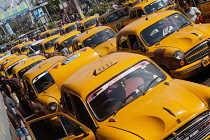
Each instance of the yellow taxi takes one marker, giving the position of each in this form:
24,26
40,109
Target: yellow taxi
123,3
102,39
55,31
144,8
7,67
23,48
202,5
69,28
4,60
113,17
44,80
87,23
44,34
24,66
2,55
67,40
15,50
126,96
47,48
173,41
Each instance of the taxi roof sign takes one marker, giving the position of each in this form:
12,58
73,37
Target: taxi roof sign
104,67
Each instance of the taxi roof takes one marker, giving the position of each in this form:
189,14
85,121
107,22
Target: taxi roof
41,67
23,44
69,24
86,19
88,82
27,62
11,61
7,57
54,30
142,4
89,33
42,33
49,38
146,21
66,36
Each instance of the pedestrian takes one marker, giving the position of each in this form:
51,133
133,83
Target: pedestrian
191,12
65,51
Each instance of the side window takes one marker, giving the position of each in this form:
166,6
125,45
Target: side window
83,115
140,13
103,21
29,89
123,43
67,104
135,43
133,14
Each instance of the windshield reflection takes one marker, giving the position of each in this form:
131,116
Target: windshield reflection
116,15
157,5
126,87
71,28
49,44
164,28
43,81
99,38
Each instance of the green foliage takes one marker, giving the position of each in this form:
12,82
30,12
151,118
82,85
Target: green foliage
56,17
100,9
51,25
52,6
3,41
13,37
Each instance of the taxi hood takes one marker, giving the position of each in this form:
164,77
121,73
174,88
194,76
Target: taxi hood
52,94
158,112
187,37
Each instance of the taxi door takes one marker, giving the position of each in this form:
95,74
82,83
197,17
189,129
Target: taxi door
66,128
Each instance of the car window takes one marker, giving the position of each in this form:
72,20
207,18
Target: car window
124,88
71,28
163,28
114,16
89,23
133,14
24,70
50,43
43,81
123,43
157,5
98,38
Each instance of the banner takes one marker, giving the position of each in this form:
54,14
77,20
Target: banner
38,13
13,12
9,29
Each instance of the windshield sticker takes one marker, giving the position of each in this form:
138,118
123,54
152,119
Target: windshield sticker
83,50
114,80
68,60
40,76
103,68
55,67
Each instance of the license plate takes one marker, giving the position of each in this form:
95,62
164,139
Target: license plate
206,62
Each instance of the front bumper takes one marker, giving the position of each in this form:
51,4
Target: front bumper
191,69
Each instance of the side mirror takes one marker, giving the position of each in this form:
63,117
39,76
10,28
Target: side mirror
79,130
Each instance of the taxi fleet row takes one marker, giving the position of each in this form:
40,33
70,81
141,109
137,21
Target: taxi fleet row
117,96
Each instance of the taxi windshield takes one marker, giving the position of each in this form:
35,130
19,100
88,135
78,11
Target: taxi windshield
14,50
34,48
24,48
55,32
43,81
89,23
124,88
70,28
164,28
9,68
99,38
24,70
157,5
116,15
68,41
49,44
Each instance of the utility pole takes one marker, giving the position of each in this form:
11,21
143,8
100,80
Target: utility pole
78,9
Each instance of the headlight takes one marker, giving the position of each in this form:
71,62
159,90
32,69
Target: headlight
178,55
52,106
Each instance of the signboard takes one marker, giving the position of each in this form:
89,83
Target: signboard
13,12
9,29
38,13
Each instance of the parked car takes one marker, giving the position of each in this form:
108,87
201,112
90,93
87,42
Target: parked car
172,40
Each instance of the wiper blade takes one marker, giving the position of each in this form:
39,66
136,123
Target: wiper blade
150,85
182,26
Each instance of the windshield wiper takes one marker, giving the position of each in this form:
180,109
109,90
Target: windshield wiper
135,92
182,26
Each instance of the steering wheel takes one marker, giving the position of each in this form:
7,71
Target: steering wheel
112,100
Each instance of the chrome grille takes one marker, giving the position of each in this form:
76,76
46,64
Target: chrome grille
198,52
197,129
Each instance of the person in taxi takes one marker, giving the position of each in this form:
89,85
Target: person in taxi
65,51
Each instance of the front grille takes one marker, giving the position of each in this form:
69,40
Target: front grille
198,52
197,129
